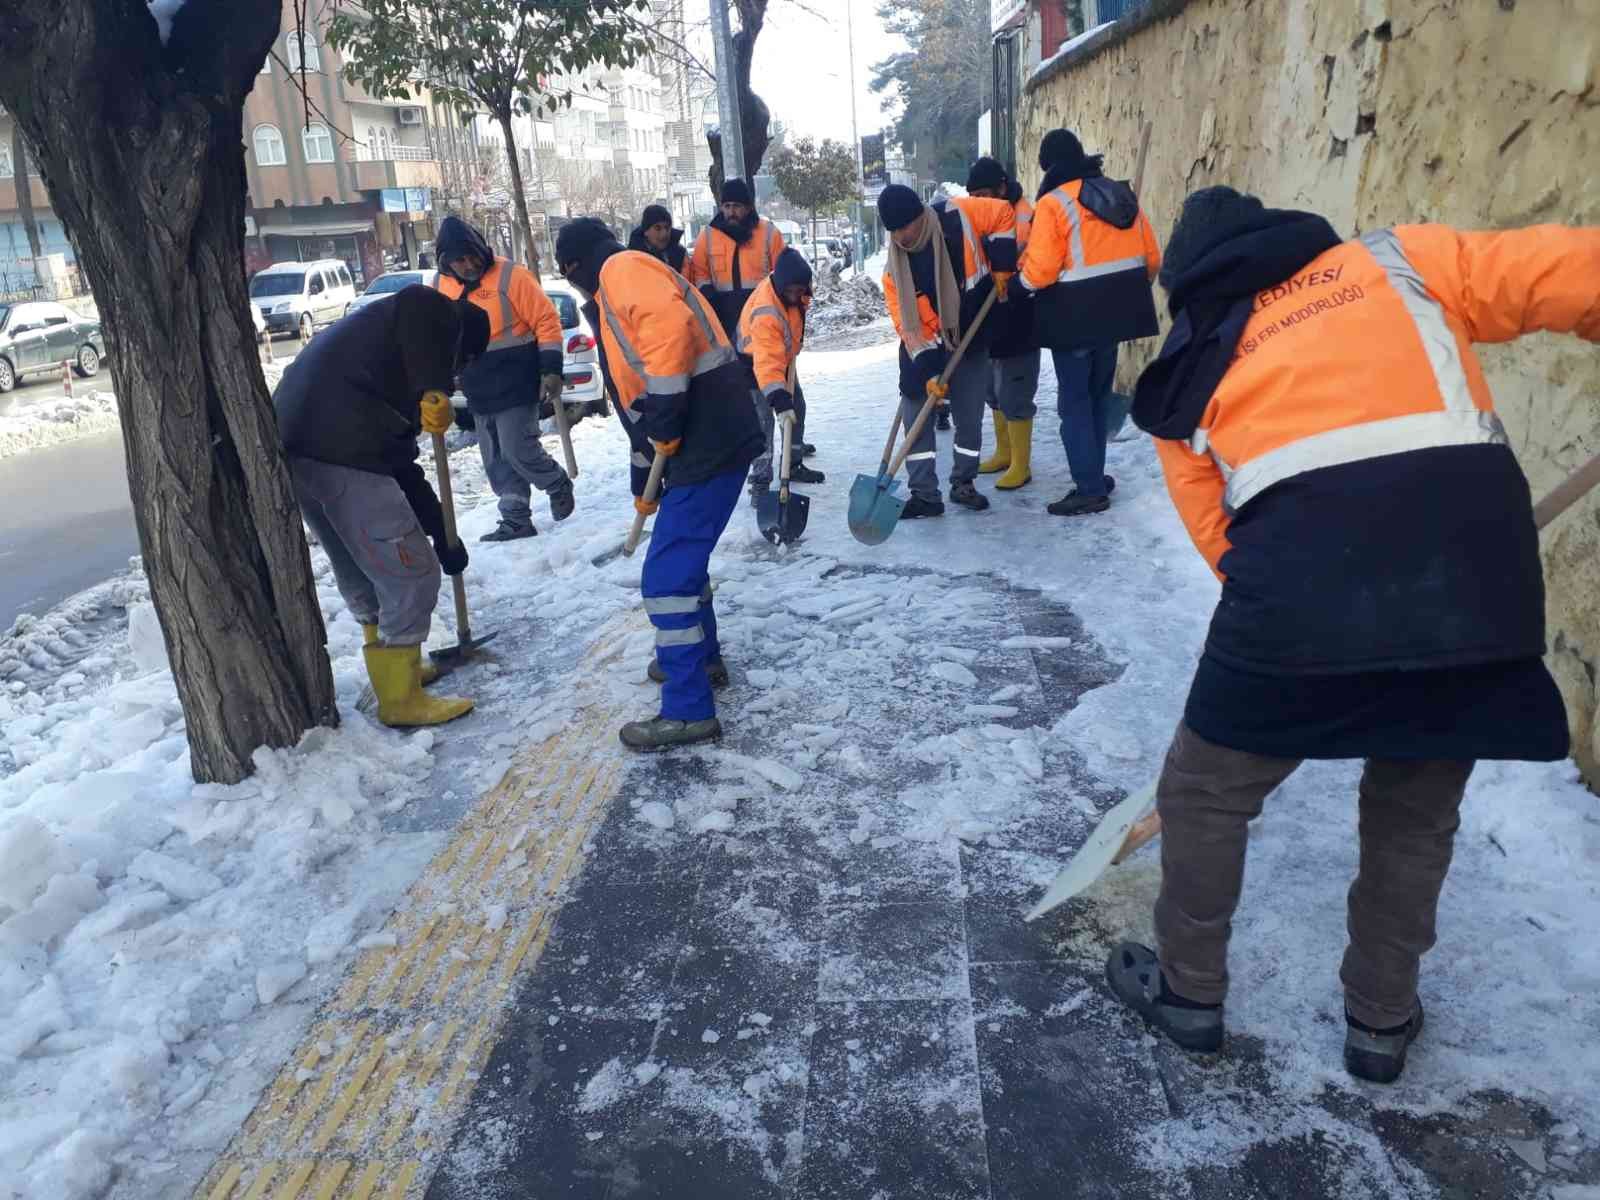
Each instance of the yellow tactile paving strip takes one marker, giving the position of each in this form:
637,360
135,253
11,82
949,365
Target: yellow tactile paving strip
365,1106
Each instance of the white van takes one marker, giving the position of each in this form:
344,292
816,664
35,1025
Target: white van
301,298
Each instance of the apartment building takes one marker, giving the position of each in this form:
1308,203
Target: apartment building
16,255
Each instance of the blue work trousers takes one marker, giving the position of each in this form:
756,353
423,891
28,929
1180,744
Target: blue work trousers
1084,379
677,589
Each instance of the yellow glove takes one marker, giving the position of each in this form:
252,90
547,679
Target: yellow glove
645,507
436,412
1002,282
937,390
668,449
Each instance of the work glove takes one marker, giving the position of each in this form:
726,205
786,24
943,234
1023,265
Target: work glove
1002,283
436,412
781,401
550,389
452,556
937,390
668,449
645,507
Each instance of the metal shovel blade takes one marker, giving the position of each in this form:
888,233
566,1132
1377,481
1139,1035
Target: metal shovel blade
461,651
1096,854
874,509
782,521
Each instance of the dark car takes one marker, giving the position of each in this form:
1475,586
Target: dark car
37,336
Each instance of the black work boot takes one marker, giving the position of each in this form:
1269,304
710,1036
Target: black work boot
805,449
507,532
944,419
562,502
1135,976
968,496
661,733
917,507
800,473
716,672
1074,505
1379,1055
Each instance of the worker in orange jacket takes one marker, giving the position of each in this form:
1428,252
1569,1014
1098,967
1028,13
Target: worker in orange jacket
1091,259
772,329
733,254
1330,442
1013,345
943,261
678,380
509,385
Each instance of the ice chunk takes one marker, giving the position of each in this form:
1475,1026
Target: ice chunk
63,904
331,933
494,917
711,1037
378,941
144,638
954,672
754,1085
42,1012
646,1072
274,979
1028,758
714,822
656,813
29,856
774,772
181,879
1029,642
760,1019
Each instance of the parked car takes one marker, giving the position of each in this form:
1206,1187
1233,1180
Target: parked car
301,298
390,282
841,249
40,335
818,255
583,386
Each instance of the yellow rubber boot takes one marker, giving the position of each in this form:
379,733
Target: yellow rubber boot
396,679
427,671
1020,435
1002,446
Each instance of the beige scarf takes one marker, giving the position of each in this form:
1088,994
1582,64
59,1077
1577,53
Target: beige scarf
948,301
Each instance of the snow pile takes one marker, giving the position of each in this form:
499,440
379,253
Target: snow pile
29,426
843,303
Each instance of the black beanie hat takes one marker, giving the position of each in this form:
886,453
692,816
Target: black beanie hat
577,238
654,214
986,172
1210,216
791,268
737,191
898,206
1060,148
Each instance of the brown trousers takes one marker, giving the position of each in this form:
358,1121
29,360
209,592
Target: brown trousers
1207,797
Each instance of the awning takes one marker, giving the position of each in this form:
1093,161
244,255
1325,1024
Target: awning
321,229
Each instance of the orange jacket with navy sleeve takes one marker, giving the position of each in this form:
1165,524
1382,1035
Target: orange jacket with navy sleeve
770,336
524,337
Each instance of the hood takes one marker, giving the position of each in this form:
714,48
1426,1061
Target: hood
1110,200
456,238
1013,191
1088,168
791,268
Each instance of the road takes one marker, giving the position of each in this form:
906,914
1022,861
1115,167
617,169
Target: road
48,387
66,522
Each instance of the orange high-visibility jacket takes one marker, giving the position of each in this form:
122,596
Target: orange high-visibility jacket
1367,352
716,257
1024,215
1092,277
976,218
520,314
770,334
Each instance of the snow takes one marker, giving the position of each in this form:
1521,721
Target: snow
32,424
1067,47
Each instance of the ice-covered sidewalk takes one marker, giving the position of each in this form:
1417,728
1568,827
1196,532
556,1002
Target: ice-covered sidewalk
789,965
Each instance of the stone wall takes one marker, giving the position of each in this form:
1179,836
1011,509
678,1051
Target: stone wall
1479,113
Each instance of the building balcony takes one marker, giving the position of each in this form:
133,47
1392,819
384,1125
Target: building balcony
395,167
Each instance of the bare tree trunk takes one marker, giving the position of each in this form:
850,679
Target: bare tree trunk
155,201
24,188
523,219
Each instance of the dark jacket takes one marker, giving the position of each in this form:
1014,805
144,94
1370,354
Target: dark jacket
913,379
674,255
350,398
1011,327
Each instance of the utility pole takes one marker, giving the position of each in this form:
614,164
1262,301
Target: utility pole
855,136
727,94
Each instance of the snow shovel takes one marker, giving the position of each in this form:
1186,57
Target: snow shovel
874,508
782,517
564,428
1134,822
652,487
449,658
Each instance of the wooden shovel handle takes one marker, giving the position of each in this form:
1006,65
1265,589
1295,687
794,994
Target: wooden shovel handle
652,487
787,421
447,505
564,428
944,378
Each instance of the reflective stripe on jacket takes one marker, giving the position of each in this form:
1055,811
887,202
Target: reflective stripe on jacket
1367,353
716,255
1092,278
770,335
524,337
973,227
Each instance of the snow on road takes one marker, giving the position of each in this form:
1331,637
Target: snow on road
162,944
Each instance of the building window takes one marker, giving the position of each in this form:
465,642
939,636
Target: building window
303,47
318,144
269,146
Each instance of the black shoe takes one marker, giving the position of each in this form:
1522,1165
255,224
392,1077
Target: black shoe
918,507
944,419
1074,505
1111,485
660,733
805,450
1135,976
562,502
968,496
800,473
1378,1055
716,672
507,532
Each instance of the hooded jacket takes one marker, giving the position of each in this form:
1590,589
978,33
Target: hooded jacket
1013,333
730,260
771,332
524,328
675,256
